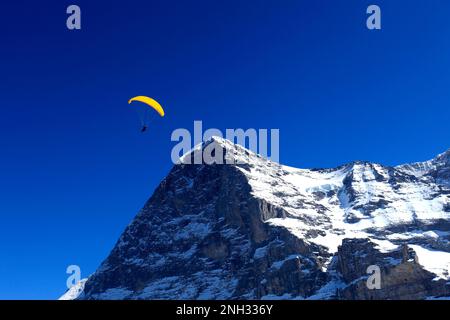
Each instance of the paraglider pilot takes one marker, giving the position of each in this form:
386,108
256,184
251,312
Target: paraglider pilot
151,103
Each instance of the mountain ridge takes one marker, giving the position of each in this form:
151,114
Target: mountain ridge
257,229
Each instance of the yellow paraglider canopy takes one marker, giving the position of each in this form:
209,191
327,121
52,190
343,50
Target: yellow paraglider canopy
150,102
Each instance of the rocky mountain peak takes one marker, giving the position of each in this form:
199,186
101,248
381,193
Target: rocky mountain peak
444,158
220,151
256,229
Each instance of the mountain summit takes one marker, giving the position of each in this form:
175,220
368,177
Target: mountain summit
257,229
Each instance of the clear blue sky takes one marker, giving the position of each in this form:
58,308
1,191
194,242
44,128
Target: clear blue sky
74,167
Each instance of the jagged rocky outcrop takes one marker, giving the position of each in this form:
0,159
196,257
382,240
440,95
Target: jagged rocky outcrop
401,275
256,229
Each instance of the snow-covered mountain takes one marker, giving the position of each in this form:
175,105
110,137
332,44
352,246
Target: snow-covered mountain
258,230
74,292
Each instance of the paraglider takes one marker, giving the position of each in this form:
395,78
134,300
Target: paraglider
143,110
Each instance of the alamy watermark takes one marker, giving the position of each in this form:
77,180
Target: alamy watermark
374,20
73,22
374,280
257,141
74,278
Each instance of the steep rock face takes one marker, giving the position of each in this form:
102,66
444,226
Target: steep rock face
202,236
436,170
401,275
257,229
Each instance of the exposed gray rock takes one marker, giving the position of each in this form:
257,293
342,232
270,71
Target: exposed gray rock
261,230
401,277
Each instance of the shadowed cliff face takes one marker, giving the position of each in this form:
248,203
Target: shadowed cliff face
401,275
197,237
261,230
